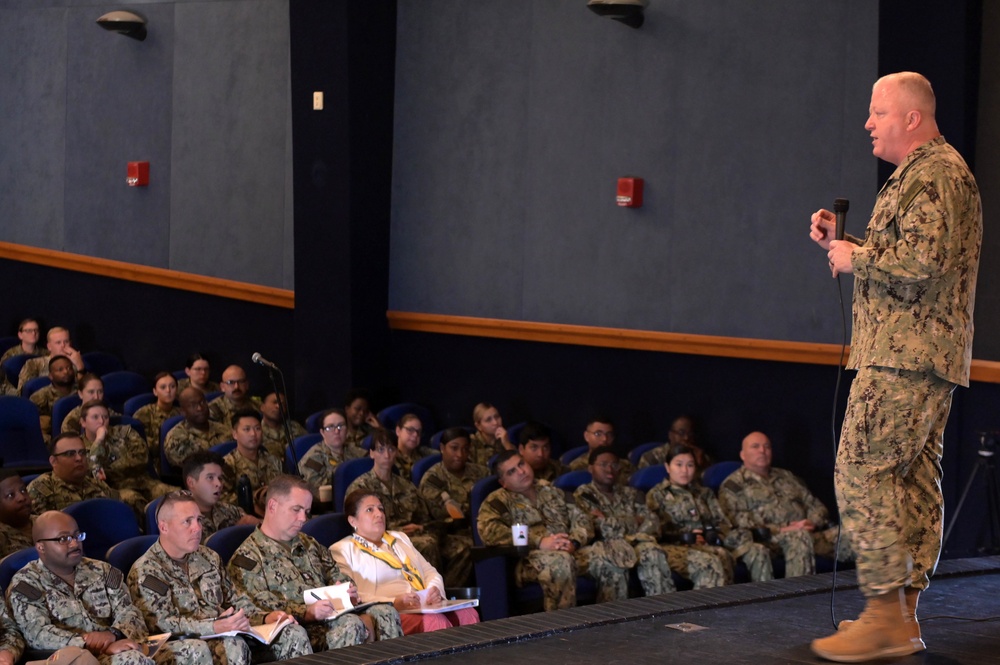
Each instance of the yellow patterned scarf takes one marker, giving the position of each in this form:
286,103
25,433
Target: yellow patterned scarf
391,559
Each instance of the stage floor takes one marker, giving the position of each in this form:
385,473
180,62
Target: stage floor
771,622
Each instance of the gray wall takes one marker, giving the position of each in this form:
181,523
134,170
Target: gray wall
514,119
205,99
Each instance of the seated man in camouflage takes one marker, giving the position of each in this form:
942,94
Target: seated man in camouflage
277,563
558,536
66,600
535,447
27,335
70,479
63,378
12,645
121,453
446,488
235,396
57,343
681,432
181,587
15,513
273,413
758,496
250,458
600,432
624,526
203,475
405,509
196,432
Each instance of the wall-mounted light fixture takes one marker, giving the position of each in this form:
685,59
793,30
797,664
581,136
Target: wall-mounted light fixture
125,23
628,12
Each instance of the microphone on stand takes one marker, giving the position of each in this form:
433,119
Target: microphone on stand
264,362
840,207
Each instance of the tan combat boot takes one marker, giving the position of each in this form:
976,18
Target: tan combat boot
912,596
884,629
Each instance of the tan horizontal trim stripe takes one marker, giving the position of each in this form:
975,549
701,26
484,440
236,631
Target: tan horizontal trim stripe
642,340
172,279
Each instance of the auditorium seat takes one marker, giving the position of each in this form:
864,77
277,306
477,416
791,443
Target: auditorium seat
21,442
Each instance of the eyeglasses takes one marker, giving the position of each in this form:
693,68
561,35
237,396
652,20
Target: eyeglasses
332,428
30,331
79,536
80,452
614,466
413,430
234,382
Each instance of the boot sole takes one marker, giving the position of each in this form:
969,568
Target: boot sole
897,651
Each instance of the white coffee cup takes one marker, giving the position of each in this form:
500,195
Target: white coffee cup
520,534
326,493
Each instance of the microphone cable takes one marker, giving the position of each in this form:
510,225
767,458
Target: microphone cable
833,438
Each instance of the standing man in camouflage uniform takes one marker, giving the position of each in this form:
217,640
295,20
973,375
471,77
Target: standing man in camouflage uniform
277,563
70,479
558,533
621,518
203,475
446,488
250,458
63,599
235,396
914,295
758,496
196,432
180,587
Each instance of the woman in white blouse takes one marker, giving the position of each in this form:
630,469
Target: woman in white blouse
386,566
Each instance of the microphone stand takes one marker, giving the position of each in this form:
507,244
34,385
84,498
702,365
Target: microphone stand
282,395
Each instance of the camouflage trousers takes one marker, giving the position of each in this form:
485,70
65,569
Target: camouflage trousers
184,652
611,578
705,566
293,641
350,629
555,572
653,569
888,475
456,550
756,556
71,656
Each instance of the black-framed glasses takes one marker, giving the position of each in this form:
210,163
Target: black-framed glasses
235,382
339,427
82,452
79,536
413,430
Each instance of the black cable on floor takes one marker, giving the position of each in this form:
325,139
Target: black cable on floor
833,436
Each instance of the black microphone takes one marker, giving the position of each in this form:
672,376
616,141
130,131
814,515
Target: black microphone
840,207
264,362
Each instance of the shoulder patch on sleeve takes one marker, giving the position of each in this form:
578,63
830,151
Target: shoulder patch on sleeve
244,562
314,464
156,585
27,590
499,506
113,578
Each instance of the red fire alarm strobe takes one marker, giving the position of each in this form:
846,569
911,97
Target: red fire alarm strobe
630,192
138,174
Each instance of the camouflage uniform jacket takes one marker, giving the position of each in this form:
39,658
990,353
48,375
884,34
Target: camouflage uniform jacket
318,464
438,480
12,540
625,515
44,399
582,463
152,419
184,439
53,615
400,498
223,514
275,439
405,464
123,455
553,469
683,509
548,514
185,597
915,272
275,574
483,449
37,366
71,423
10,634
49,492
260,472
210,386
753,501
221,409
6,387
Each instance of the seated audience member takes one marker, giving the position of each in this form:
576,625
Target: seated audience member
320,461
599,432
63,378
203,475
27,334
690,513
88,387
250,458
360,420
235,396
758,496
408,433
681,432
57,344
198,370
15,513
624,527
446,489
405,509
386,566
121,453
535,447
277,563
64,599
196,432
558,536
181,587
152,416
70,479
273,413
12,646
490,437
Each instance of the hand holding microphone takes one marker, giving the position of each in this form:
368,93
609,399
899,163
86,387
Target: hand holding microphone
827,230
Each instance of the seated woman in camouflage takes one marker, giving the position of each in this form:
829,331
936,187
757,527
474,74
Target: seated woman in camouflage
152,416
